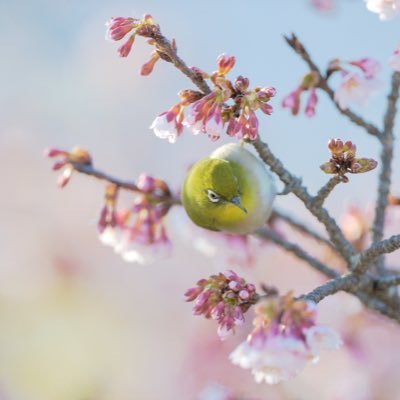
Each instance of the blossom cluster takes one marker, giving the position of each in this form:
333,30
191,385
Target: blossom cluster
343,160
225,298
285,337
137,233
65,161
209,113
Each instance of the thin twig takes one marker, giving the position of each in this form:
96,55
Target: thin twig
324,192
298,47
297,251
131,186
165,45
387,139
335,234
303,228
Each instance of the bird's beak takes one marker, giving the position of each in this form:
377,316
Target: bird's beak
236,201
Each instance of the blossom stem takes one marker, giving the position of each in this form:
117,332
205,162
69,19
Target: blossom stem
297,251
299,48
130,186
335,234
387,139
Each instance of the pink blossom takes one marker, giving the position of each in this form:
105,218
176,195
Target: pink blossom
386,9
355,89
273,359
205,115
284,339
394,60
138,233
292,101
369,66
168,125
320,337
311,103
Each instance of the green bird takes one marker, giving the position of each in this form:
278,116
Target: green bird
230,191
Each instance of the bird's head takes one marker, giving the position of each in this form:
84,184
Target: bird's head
211,192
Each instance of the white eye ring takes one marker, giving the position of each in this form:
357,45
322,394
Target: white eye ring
212,196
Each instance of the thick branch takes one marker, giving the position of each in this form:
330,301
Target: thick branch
297,251
387,139
347,283
335,234
374,251
298,47
325,191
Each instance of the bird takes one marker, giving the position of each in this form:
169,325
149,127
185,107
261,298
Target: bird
230,191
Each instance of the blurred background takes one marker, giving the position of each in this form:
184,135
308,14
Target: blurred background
78,323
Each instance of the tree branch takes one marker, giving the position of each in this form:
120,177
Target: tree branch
172,56
297,251
387,139
335,234
374,251
298,47
89,170
303,228
347,283
386,282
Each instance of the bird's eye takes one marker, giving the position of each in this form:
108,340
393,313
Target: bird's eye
212,196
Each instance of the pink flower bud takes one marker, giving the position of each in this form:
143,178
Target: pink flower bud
119,27
147,68
192,293
311,103
244,294
65,177
126,48
225,63
58,165
53,152
266,108
146,183
241,84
